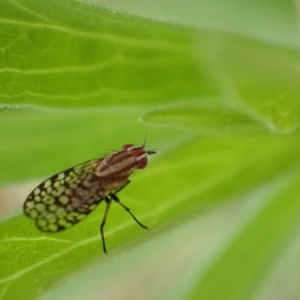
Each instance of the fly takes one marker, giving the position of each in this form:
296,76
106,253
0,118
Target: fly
66,198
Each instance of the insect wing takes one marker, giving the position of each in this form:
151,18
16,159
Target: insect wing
66,198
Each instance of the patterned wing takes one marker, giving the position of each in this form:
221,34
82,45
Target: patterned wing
65,198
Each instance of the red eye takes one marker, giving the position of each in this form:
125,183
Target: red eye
127,146
142,163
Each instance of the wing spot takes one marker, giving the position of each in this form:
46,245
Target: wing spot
51,218
75,202
58,191
41,223
91,200
57,184
61,176
40,207
64,223
52,207
37,198
80,217
47,183
63,200
52,227
92,206
29,204
61,213
72,216
83,208
69,192
33,214
37,191
48,200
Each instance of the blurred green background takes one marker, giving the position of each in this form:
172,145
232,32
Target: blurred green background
215,88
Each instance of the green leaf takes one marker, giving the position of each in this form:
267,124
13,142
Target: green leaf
63,54
215,92
208,118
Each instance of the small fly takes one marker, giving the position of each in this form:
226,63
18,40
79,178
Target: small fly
68,197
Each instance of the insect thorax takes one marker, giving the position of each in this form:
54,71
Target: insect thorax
116,166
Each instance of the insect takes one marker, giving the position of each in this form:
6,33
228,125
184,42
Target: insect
66,198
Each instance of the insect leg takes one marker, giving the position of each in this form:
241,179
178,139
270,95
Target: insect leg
115,198
108,201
